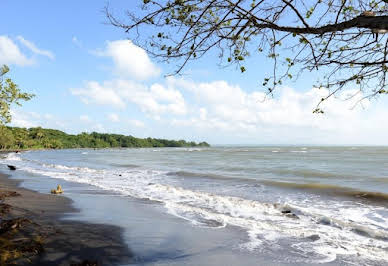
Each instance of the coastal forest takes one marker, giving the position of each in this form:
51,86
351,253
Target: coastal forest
15,138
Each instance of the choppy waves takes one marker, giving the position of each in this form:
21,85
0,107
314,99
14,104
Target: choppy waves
323,229
333,189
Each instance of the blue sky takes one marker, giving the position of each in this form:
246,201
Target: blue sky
88,77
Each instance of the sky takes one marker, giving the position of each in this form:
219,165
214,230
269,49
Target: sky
88,76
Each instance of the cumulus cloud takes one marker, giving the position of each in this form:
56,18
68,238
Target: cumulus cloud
114,117
154,100
93,92
229,103
130,60
287,118
32,119
11,54
98,128
85,118
20,119
233,112
31,46
136,123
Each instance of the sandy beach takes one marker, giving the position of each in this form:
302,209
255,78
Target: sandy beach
32,232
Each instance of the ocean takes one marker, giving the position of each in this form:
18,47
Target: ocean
232,205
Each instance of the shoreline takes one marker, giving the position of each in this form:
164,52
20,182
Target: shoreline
32,231
6,151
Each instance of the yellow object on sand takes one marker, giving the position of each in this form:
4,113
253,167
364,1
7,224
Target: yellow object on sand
57,191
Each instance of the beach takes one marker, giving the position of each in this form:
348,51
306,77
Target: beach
202,206
40,237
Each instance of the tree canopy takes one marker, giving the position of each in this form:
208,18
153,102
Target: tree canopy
9,94
344,39
39,138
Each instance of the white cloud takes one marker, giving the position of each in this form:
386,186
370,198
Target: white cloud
93,92
136,123
239,115
85,118
234,106
30,45
113,118
130,60
202,113
154,100
99,128
11,54
26,119
23,119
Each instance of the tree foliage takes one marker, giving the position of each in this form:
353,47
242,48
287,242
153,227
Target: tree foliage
9,94
39,138
344,39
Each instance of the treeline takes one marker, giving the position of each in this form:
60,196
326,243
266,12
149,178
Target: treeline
14,138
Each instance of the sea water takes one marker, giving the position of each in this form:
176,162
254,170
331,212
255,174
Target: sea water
250,205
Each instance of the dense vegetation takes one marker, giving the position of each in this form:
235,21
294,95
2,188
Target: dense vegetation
36,138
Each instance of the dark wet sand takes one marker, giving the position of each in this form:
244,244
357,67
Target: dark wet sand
63,242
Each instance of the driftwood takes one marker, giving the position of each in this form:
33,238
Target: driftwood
57,191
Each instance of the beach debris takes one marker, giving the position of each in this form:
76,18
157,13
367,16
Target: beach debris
57,191
11,167
289,214
4,208
324,221
19,241
314,237
7,225
5,194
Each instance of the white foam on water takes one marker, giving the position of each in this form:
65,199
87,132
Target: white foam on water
189,149
68,168
12,157
195,149
339,228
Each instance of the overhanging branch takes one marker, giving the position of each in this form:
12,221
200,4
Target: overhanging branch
379,22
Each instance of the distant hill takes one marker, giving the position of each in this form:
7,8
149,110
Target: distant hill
14,138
